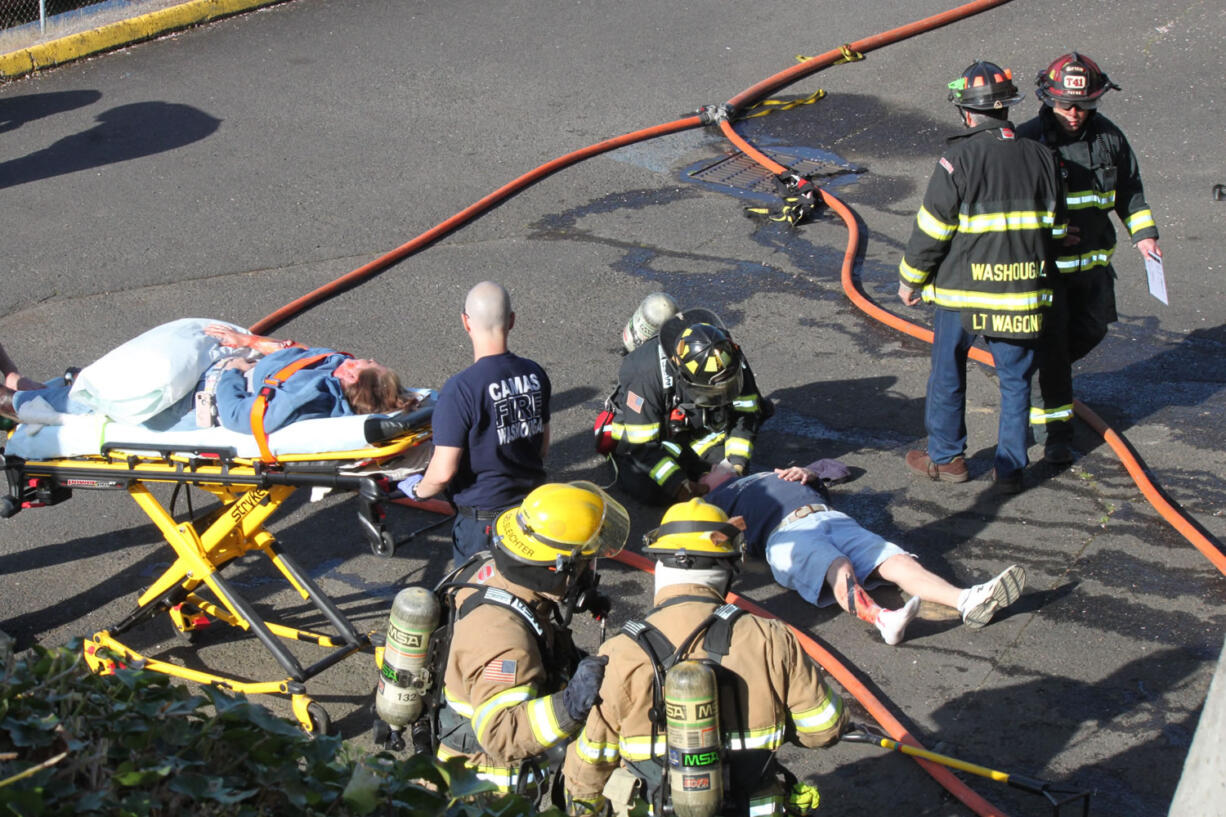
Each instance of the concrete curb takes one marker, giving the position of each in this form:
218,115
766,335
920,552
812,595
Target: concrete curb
116,35
1202,787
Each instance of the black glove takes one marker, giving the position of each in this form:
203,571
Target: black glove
580,694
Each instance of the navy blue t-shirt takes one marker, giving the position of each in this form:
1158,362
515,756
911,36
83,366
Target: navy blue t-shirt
763,499
496,410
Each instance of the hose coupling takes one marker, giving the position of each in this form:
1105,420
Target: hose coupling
714,114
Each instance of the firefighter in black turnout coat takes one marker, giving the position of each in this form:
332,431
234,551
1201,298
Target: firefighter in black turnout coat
686,400
983,252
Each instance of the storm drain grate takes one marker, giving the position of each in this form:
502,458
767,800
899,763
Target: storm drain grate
743,173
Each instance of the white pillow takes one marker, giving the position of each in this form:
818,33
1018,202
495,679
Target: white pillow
150,372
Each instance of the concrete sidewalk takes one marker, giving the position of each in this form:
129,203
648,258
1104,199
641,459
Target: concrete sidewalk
106,26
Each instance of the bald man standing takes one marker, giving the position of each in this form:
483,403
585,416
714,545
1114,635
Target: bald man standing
491,427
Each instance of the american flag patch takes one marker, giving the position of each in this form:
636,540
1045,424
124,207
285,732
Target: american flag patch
634,402
948,167
500,671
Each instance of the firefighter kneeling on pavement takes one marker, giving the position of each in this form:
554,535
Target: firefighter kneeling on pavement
698,697
686,400
515,688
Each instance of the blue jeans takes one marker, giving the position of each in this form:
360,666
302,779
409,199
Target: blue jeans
945,407
469,536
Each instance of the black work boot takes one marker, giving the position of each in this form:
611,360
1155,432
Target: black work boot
1057,446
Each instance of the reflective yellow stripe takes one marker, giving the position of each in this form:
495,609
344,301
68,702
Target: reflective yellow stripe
1004,222
635,433
738,447
704,444
763,806
672,448
1087,199
745,403
544,722
1059,231
1139,221
997,301
459,706
597,805
1040,416
664,469
1087,260
821,718
593,751
933,227
505,777
503,700
768,738
640,748
910,274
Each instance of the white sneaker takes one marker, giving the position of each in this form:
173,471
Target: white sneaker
893,623
979,603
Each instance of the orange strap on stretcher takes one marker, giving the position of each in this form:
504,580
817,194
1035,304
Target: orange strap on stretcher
260,407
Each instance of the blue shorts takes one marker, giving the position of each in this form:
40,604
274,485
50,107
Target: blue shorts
801,552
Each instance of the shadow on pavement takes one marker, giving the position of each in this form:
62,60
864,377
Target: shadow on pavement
16,111
122,133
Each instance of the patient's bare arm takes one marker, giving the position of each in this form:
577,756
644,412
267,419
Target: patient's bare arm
236,339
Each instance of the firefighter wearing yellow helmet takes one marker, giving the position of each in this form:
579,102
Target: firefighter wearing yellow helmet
686,400
515,688
767,688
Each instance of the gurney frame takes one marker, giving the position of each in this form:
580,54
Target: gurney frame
249,492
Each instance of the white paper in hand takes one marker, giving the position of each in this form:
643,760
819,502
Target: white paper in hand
1157,280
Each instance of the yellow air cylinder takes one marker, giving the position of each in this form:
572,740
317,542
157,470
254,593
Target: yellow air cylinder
415,614
695,764
643,325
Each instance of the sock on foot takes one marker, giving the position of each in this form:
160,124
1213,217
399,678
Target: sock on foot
893,623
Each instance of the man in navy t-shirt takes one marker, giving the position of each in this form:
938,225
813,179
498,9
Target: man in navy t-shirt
491,427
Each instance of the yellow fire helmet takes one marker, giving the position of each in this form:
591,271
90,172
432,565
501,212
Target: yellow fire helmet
694,534
567,520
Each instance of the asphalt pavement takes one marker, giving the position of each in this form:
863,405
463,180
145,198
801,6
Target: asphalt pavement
226,170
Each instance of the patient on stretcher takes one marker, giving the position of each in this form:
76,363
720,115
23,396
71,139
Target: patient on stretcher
222,370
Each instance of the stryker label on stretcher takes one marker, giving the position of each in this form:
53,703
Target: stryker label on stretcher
248,501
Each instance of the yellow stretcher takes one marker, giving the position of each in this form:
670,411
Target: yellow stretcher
250,491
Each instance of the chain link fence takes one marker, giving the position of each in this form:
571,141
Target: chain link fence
14,13
24,23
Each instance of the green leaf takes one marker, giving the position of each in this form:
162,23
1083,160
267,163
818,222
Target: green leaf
229,796
362,792
193,785
90,801
137,778
464,781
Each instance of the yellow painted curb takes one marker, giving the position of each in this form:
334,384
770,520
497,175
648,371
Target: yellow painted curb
117,35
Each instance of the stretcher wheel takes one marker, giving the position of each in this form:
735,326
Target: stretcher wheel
321,724
386,546
311,716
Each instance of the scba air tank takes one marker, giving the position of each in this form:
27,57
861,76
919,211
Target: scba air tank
398,700
695,764
646,321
